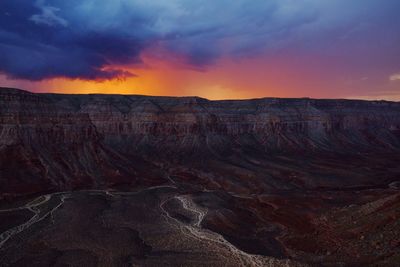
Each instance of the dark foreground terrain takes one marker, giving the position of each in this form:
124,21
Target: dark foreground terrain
110,180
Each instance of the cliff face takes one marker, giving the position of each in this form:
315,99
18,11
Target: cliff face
276,182
95,138
272,123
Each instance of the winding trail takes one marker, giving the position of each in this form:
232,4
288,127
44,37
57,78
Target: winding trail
30,205
191,230
34,207
37,217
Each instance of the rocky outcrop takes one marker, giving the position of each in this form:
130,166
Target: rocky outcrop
188,181
272,123
102,139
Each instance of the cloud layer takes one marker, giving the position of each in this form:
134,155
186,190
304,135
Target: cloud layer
86,39
395,77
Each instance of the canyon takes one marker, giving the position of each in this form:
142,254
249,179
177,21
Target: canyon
128,180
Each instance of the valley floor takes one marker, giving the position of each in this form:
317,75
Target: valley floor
172,225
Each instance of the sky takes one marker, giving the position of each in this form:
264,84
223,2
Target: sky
218,49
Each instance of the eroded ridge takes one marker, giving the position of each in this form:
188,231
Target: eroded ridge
194,229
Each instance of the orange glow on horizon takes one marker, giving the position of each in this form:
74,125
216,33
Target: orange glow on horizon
226,80
282,76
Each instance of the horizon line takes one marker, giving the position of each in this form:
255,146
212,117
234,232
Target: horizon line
195,96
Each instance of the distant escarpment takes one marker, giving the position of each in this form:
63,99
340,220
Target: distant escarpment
54,141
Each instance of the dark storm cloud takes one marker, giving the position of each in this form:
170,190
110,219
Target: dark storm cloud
85,38
36,42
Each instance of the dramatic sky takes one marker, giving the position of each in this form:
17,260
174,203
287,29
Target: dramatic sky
215,49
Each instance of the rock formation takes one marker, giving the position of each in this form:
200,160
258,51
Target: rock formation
277,177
